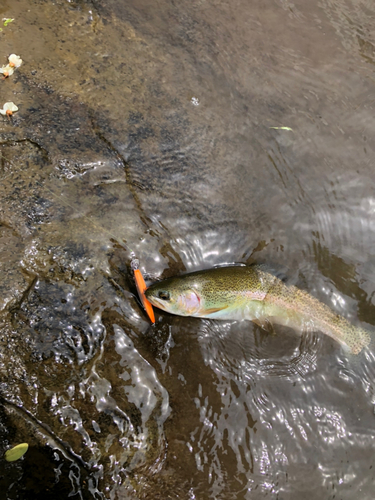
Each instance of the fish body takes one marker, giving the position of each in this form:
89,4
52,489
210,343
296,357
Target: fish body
251,293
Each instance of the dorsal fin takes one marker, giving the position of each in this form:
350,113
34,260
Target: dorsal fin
281,274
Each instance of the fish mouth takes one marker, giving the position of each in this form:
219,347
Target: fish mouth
155,301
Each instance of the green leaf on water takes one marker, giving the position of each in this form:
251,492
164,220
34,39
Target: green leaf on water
7,21
282,128
16,452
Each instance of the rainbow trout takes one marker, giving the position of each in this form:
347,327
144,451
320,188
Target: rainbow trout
249,292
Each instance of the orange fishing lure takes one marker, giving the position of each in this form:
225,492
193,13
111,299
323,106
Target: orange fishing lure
141,287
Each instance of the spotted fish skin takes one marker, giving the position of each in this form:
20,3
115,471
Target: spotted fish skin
251,293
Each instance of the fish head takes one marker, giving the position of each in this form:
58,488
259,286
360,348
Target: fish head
176,296
212,293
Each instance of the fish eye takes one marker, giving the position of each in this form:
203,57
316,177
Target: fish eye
164,295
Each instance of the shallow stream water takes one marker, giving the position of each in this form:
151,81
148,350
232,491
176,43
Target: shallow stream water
147,128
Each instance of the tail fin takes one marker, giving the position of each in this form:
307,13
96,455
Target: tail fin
356,338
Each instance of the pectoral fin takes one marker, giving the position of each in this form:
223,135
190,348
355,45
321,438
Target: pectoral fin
214,310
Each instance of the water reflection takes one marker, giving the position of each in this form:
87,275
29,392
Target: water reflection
273,427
